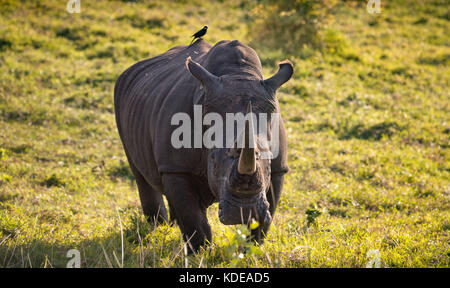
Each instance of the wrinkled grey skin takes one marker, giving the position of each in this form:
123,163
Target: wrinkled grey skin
224,79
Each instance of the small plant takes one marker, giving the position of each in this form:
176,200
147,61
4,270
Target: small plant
53,180
312,215
240,247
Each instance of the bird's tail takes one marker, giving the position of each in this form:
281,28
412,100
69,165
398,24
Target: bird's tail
192,41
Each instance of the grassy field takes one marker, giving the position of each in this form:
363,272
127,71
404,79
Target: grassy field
368,120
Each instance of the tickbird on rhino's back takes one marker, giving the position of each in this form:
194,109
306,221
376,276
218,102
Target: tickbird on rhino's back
224,78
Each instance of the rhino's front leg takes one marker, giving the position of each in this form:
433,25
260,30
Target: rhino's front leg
273,197
189,214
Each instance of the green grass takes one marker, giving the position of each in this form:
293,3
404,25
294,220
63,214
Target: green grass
368,130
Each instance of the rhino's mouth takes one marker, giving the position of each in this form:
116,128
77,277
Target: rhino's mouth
240,210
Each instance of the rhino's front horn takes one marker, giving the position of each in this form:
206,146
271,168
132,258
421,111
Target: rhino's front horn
247,159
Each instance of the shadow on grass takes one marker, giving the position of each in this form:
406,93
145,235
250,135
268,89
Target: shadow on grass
375,132
139,250
121,171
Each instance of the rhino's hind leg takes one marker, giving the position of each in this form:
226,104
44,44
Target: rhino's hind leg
185,207
151,200
152,204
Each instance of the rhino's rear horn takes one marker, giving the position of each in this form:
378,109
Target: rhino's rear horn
247,159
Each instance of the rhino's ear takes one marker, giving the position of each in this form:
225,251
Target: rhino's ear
285,71
207,79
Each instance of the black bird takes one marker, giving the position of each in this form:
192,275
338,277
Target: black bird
200,33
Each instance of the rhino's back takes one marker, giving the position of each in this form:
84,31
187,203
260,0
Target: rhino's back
146,96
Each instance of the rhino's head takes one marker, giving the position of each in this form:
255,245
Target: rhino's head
238,175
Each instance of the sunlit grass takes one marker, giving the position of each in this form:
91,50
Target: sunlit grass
368,132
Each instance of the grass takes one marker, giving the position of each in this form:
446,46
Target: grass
367,120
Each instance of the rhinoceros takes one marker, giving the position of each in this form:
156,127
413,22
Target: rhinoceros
224,78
